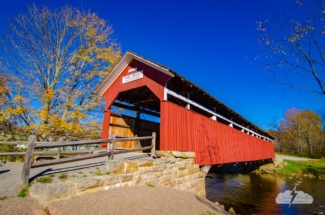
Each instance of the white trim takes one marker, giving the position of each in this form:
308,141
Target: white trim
165,92
133,69
172,93
113,75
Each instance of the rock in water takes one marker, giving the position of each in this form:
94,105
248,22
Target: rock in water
232,211
277,160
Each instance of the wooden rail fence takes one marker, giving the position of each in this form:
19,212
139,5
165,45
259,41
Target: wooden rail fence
110,151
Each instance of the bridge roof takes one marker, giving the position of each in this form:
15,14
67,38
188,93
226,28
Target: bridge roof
181,86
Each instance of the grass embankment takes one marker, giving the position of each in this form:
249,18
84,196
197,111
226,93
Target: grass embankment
312,167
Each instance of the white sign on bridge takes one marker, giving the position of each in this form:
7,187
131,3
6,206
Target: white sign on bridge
132,77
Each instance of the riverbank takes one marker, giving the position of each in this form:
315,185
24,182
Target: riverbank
308,167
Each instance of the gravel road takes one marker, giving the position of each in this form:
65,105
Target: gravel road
293,158
136,200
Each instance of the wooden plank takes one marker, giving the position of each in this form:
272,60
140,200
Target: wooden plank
134,109
132,150
118,125
67,160
58,155
27,162
51,152
112,148
13,143
84,157
74,143
153,144
133,138
13,154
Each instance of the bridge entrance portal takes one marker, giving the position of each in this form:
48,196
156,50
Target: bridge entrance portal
135,112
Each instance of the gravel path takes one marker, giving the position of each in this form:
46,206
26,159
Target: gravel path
20,206
293,158
137,200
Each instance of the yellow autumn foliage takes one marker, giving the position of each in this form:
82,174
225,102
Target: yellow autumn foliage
53,97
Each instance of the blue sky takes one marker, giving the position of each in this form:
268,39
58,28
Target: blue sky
211,43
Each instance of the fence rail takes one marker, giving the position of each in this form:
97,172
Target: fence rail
110,151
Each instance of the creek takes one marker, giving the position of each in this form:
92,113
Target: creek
256,193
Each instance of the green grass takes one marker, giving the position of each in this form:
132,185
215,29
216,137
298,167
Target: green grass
99,173
45,180
314,167
208,213
150,185
23,193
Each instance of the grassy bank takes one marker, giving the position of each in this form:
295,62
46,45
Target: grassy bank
314,167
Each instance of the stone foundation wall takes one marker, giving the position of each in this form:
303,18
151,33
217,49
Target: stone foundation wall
172,169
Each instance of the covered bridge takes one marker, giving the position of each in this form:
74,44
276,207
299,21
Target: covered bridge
152,97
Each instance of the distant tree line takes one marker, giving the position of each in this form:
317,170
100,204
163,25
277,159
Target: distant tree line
300,132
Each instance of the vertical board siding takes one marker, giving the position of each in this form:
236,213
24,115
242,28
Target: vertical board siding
125,126
213,142
105,129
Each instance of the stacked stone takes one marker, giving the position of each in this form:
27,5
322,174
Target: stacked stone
172,169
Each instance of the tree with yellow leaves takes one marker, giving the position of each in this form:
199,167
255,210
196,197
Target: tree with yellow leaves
300,132
51,62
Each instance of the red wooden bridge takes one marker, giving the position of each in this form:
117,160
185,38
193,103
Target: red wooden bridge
151,97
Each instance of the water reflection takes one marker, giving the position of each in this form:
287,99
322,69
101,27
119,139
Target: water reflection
256,194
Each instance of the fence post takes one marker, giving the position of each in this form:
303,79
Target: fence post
58,155
27,161
138,143
112,147
153,144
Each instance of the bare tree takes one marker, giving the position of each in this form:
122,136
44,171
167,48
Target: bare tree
54,60
294,48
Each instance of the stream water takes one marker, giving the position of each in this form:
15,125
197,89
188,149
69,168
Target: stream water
256,194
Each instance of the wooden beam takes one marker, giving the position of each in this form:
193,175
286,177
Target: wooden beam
72,143
59,150
71,159
13,143
112,148
132,139
27,161
153,144
135,109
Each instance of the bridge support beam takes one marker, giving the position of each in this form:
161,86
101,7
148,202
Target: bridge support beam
206,169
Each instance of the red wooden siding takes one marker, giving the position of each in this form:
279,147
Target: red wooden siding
153,79
213,142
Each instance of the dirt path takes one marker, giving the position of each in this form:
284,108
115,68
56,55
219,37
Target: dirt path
136,200
294,158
